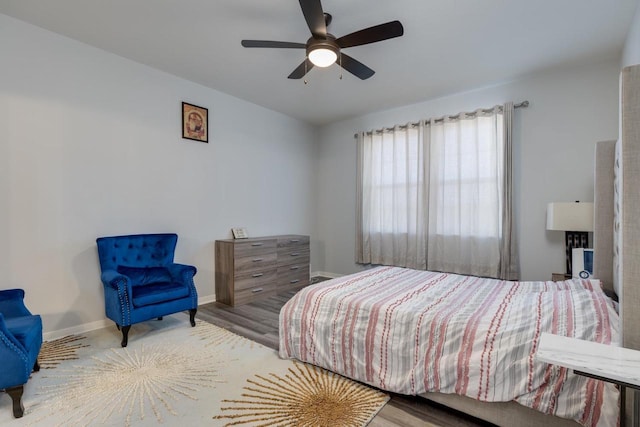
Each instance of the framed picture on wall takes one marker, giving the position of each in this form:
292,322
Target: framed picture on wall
195,122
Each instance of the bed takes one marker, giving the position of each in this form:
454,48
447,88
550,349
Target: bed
469,343
414,332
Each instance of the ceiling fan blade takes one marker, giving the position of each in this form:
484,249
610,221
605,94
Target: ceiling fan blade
301,70
355,67
314,15
269,43
374,34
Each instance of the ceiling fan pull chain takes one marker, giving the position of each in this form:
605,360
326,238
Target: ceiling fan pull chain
305,71
340,66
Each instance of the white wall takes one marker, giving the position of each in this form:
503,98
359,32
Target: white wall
90,145
631,53
554,139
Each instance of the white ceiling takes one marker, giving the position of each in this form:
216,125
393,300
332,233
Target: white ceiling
448,45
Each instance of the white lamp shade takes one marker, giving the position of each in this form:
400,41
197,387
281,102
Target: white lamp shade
576,216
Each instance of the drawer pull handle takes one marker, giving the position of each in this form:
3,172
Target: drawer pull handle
295,268
257,275
295,254
294,240
256,290
294,281
257,244
257,259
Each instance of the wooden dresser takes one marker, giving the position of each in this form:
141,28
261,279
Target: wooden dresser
250,269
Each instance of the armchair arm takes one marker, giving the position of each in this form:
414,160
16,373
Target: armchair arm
117,297
118,283
12,303
112,278
182,271
184,274
7,339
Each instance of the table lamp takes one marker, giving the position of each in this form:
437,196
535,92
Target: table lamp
576,220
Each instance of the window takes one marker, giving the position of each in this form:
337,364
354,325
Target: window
431,195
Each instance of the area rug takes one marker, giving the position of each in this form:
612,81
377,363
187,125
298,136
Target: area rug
173,374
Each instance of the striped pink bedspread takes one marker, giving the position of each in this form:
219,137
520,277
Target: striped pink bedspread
412,332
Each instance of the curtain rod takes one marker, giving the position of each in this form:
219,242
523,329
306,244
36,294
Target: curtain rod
523,104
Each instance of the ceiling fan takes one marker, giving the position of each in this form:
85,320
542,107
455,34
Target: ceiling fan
324,49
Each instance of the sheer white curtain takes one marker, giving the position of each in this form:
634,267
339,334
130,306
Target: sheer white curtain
437,195
393,198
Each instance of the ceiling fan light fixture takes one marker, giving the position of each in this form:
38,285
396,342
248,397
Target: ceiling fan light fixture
322,57
323,52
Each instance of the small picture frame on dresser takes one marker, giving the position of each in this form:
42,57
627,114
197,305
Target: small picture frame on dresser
239,233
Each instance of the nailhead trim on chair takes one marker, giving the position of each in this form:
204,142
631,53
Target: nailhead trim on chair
194,294
127,302
126,317
19,351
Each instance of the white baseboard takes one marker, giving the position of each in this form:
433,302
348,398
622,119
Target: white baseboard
76,330
99,324
206,300
325,274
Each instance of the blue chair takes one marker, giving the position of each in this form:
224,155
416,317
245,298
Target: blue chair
141,281
20,342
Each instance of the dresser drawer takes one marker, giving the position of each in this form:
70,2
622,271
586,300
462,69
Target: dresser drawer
293,241
288,256
293,276
253,262
258,292
254,279
253,247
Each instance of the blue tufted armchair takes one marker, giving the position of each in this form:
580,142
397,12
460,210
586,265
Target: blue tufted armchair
141,281
20,342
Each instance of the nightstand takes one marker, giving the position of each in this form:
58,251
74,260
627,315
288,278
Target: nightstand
603,362
559,277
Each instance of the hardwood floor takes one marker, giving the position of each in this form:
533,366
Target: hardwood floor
258,321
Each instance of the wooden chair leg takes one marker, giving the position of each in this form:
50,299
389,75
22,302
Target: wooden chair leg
125,335
16,397
36,366
192,316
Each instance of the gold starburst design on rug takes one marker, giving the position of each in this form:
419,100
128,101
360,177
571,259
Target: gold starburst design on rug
131,383
217,336
54,352
306,396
